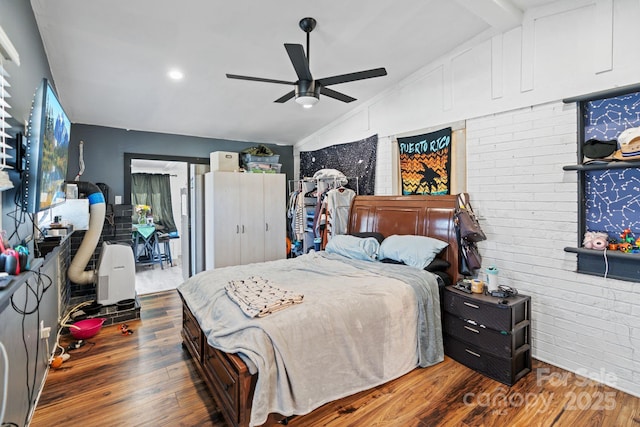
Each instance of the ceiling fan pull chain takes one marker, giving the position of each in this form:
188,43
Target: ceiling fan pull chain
308,51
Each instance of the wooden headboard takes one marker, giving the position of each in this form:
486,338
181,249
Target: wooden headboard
419,215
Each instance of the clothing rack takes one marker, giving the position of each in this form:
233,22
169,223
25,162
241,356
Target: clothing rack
307,212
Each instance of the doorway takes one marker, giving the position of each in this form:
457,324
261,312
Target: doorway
153,278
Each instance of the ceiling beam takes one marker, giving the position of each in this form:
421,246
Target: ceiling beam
502,15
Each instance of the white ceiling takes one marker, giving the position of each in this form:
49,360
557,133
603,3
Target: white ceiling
110,59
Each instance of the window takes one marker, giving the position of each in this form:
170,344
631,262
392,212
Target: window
7,53
609,200
154,190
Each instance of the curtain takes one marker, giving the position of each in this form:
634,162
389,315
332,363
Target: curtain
154,190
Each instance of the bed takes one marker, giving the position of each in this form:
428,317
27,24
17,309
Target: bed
360,324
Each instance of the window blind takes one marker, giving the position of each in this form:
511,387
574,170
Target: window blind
4,115
7,53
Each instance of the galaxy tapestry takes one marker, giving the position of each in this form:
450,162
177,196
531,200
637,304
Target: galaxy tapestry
425,163
354,159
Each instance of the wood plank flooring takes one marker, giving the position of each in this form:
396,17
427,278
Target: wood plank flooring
147,379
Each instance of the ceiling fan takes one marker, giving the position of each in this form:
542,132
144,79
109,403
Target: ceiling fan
307,90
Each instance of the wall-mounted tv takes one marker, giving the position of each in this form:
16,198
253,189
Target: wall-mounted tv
47,152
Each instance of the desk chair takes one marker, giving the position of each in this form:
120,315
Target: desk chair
166,248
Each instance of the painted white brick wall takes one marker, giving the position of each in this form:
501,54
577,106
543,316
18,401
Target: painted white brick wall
383,167
528,209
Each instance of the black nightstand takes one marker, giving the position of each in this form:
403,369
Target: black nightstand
484,334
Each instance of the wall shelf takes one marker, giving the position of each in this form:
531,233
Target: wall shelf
610,264
601,254
603,193
602,166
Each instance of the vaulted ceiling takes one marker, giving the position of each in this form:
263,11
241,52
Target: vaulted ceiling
110,59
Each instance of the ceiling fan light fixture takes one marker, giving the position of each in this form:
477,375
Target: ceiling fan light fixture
307,101
175,74
307,90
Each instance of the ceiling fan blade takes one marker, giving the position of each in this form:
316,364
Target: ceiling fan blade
336,95
360,75
299,61
258,79
286,97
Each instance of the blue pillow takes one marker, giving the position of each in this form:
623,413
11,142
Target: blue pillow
416,251
353,247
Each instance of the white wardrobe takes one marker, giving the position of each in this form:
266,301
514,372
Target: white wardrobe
245,218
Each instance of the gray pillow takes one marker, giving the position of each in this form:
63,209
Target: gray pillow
353,247
416,251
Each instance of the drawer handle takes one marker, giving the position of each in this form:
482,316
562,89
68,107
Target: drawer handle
472,352
472,330
468,304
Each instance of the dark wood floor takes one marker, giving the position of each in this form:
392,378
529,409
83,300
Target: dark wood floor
147,379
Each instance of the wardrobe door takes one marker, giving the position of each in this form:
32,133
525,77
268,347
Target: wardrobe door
222,219
251,217
275,227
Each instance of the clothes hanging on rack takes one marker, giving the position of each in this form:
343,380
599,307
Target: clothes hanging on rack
306,199
296,215
335,209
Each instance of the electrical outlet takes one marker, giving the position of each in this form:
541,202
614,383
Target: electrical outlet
44,332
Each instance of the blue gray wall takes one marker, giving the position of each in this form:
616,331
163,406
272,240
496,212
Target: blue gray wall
104,150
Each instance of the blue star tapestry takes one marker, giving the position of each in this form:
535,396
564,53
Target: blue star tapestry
425,163
354,159
612,197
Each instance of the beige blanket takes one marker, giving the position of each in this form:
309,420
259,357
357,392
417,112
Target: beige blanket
258,297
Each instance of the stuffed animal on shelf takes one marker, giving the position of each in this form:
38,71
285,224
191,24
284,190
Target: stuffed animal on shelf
627,241
626,236
595,240
625,247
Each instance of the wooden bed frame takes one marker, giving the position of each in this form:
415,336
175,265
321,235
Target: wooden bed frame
227,376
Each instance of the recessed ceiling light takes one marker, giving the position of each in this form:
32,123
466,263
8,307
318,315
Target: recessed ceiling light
176,74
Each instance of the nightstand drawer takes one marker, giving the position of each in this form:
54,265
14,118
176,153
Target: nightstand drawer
507,371
485,311
498,343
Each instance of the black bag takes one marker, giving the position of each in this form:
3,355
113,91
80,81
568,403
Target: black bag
469,258
471,255
463,267
467,222
595,149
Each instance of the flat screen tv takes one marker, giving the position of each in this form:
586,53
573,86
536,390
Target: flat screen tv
47,152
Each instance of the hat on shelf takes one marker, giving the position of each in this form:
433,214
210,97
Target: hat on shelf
597,149
629,142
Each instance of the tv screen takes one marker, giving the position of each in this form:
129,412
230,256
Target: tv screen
47,152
